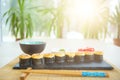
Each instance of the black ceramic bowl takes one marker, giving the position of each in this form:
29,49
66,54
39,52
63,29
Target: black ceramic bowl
31,47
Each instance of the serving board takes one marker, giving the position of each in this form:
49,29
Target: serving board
72,66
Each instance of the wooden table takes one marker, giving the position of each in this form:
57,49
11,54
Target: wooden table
7,73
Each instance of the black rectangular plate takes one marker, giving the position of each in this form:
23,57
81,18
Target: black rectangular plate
73,66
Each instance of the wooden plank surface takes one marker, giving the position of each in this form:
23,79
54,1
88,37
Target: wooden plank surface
7,73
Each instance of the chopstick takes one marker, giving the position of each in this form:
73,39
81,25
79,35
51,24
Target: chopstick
25,73
56,72
69,73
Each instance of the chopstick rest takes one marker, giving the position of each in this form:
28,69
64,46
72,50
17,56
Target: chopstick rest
24,75
94,74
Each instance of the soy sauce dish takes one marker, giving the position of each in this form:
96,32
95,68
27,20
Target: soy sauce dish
31,47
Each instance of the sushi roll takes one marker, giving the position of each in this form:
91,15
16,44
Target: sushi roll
89,57
37,60
25,60
49,58
70,57
60,57
98,56
79,57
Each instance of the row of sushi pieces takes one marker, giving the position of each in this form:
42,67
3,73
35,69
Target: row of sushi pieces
61,57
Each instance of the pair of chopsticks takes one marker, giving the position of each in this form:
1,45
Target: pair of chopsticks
63,72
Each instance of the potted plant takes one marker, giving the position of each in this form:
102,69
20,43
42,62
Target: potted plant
115,20
20,19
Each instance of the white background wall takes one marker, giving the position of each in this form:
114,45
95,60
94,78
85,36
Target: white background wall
0,24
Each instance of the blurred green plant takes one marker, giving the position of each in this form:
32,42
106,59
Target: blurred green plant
115,19
53,18
97,27
20,19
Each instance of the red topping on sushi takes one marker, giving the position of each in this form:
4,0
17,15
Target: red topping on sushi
87,49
